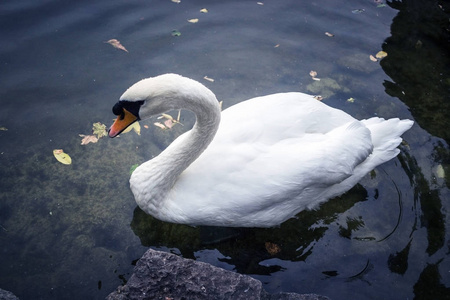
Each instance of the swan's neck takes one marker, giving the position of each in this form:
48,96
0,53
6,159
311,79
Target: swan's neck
152,181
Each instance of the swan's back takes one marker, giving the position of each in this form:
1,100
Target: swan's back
273,157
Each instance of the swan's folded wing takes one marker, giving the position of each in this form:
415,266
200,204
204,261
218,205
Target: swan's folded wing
255,179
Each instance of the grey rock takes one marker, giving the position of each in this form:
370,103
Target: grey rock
5,295
162,275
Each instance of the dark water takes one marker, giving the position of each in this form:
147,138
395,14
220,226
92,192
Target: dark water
74,232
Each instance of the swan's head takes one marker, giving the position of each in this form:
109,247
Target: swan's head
148,97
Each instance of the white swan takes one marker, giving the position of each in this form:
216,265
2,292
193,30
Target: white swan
270,158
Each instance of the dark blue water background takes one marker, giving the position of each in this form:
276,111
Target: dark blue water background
74,232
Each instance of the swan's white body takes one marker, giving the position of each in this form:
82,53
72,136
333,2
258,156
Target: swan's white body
271,158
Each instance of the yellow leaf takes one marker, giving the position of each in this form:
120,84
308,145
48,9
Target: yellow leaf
372,58
62,157
381,54
167,116
203,10
135,126
193,20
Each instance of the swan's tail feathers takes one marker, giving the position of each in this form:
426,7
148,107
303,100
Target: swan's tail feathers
386,136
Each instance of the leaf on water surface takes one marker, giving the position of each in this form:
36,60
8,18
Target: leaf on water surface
62,157
176,33
372,58
259,3
272,248
176,1
135,126
88,139
3,128
133,167
358,11
99,129
381,54
160,125
318,97
351,100
193,20
169,122
146,126
203,10
116,44
329,34
313,75
209,79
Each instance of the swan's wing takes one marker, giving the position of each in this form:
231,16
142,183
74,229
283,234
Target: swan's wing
259,160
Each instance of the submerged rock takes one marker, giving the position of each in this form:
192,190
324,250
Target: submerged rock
5,295
162,275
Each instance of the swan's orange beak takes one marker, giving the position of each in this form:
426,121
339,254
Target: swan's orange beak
121,123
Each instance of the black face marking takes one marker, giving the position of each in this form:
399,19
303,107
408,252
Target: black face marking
132,106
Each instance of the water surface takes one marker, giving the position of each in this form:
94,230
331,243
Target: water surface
74,232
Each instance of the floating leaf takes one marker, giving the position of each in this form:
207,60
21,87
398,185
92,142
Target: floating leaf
329,34
133,167
62,157
272,248
160,125
193,20
259,3
351,100
146,126
3,128
358,11
381,54
176,1
99,129
276,46
88,139
209,79
439,171
313,75
116,44
135,126
203,10
372,58
318,97
169,122
176,33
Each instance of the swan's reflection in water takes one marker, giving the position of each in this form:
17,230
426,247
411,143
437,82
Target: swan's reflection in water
246,248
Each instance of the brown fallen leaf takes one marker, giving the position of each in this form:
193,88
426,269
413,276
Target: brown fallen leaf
116,44
272,248
88,139
318,97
